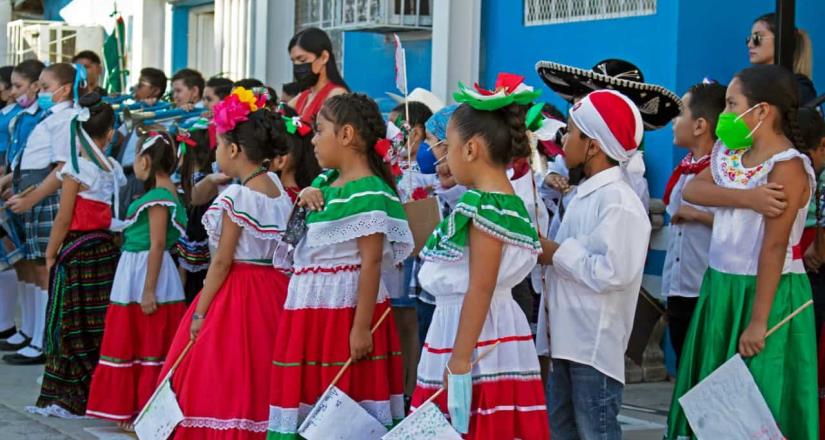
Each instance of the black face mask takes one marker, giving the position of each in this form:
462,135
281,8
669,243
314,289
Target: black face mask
304,76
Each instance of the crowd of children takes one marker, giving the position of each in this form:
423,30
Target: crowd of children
262,246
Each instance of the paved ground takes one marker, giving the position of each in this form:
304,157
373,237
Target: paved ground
643,417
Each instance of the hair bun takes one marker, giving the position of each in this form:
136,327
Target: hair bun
90,100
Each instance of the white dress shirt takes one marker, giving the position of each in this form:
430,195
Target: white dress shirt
687,249
597,272
50,140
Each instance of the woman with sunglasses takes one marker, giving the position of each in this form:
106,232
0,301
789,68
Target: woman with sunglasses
761,50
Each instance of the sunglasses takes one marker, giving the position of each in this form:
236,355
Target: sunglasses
757,39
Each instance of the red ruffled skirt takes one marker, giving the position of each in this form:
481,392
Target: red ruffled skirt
312,346
222,384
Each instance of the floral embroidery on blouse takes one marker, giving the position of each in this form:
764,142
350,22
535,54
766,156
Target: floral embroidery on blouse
731,166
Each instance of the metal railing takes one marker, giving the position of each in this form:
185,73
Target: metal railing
365,15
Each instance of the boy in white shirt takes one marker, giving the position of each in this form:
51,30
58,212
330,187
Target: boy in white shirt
595,270
690,225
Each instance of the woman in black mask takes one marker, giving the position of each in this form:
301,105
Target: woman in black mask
315,71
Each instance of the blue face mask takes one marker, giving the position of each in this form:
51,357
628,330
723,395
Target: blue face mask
44,100
425,159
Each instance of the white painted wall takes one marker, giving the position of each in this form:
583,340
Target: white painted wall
273,26
456,45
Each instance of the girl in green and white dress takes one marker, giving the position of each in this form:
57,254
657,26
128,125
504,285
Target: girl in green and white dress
756,275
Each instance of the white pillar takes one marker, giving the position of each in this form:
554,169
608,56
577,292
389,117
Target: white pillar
5,18
272,28
456,45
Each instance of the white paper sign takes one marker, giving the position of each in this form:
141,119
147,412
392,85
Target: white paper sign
727,404
161,414
427,422
337,417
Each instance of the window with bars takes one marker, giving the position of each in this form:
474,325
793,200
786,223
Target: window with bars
539,12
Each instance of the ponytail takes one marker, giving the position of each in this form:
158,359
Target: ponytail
803,55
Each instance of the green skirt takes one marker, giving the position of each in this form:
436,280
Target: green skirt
785,371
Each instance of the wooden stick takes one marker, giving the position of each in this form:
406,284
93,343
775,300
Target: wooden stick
441,390
788,318
349,361
26,191
182,355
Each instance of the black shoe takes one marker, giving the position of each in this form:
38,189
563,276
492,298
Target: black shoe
7,346
19,359
5,334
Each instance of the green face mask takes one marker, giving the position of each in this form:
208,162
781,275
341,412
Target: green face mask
733,131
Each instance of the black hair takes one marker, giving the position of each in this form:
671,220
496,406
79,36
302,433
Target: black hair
419,113
156,78
812,128
197,157
191,78
776,86
316,41
65,74
272,102
303,154
707,101
162,153
86,55
5,75
361,112
221,86
504,130
261,137
249,83
291,89
552,110
30,69
101,116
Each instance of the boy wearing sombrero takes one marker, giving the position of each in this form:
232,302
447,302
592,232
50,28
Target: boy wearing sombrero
595,272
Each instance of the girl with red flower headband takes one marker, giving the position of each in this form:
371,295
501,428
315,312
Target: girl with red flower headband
232,322
357,229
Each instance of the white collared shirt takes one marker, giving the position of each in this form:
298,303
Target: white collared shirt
687,249
596,273
50,140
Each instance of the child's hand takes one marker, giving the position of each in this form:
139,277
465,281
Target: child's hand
311,198
195,328
218,179
685,214
148,303
360,343
812,259
769,199
752,340
557,182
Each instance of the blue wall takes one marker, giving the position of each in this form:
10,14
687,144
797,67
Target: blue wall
180,32
369,64
507,45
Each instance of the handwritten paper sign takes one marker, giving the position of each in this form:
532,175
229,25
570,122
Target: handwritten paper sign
727,404
337,417
161,414
427,422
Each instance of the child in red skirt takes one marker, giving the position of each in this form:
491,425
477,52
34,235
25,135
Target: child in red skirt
335,295
222,384
146,303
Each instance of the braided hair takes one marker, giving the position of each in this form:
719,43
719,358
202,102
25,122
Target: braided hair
262,137
362,114
504,130
199,157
